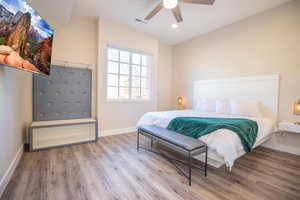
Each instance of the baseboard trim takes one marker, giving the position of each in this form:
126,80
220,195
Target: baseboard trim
12,167
117,131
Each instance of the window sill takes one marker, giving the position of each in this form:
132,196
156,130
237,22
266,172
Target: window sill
129,101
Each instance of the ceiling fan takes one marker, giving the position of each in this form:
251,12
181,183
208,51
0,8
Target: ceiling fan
174,7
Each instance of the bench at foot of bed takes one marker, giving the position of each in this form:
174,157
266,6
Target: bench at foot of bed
191,147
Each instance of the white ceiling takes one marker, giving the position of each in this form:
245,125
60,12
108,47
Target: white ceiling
57,13
198,19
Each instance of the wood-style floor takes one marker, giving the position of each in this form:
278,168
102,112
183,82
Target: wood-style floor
112,169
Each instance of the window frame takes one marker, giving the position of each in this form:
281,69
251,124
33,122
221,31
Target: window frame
150,75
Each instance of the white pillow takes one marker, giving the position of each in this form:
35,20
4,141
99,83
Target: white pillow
206,105
223,106
245,108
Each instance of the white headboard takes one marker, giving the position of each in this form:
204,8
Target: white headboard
264,89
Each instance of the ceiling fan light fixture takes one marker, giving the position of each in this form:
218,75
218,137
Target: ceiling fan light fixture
174,26
170,4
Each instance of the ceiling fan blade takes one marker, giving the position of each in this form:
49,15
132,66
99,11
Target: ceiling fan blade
154,11
177,14
205,2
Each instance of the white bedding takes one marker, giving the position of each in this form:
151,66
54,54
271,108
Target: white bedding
224,142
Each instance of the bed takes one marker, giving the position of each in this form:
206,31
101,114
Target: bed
224,145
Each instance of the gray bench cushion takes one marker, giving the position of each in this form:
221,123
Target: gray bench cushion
185,142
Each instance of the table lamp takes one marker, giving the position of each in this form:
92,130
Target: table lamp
297,110
180,103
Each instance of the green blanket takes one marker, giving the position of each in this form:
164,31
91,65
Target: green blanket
196,127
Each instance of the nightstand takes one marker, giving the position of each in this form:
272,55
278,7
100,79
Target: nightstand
289,127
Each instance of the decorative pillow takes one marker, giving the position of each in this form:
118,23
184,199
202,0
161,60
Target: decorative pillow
245,108
223,106
206,105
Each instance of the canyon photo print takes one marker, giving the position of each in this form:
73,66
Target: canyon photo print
25,38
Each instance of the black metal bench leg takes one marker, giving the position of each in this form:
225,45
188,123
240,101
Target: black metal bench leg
205,170
138,141
151,142
188,158
190,170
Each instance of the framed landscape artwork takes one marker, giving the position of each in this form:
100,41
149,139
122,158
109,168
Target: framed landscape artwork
25,37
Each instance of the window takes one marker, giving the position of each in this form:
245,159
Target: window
128,75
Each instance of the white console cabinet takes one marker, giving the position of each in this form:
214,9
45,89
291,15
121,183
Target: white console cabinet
50,134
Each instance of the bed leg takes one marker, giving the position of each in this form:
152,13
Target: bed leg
205,170
190,169
138,140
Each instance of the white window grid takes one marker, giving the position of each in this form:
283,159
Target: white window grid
119,74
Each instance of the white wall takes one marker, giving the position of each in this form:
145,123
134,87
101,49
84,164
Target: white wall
15,113
122,115
165,77
267,43
77,42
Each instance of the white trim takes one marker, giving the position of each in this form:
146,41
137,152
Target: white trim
289,127
117,131
240,79
128,101
9,172
284,141
64,63
128,49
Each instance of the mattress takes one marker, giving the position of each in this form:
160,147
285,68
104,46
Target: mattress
225,143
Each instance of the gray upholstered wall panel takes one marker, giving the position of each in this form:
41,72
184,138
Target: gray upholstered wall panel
65,94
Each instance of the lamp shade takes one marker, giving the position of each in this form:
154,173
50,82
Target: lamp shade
297,108
180,101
